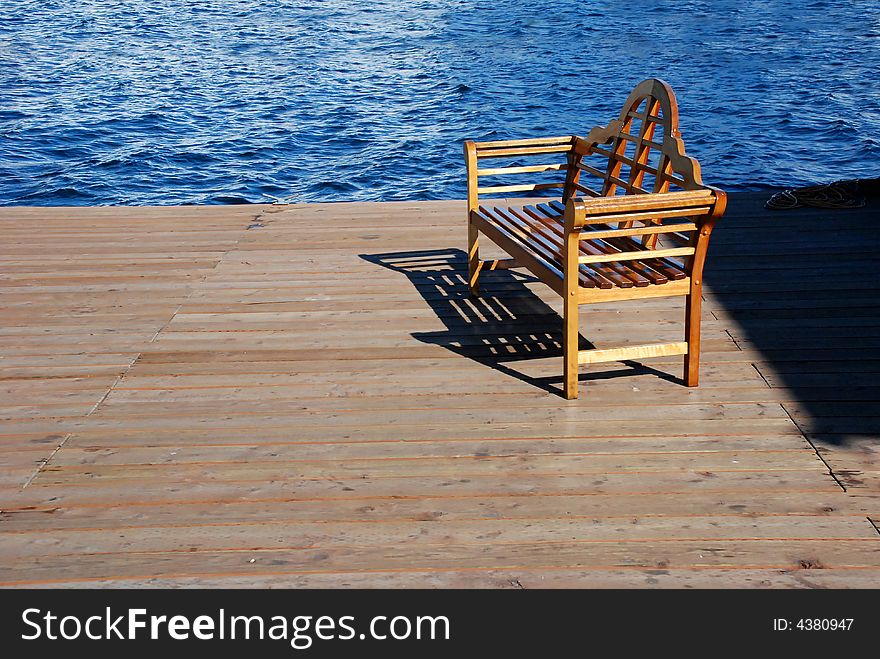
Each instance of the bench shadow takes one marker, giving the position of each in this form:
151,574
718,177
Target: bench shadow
507,323
799,290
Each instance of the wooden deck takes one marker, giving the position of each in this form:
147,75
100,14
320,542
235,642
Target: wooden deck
296,396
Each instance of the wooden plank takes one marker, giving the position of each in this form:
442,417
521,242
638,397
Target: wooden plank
269,536
775,448
526,507
604,274
755,554
516,579
390,468
804,484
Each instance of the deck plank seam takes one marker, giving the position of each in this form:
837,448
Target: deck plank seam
767,382
168,322
205,273
42,463
807,439
732,338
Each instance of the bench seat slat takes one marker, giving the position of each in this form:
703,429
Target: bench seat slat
610,260
666,270
551,229
548,239
537,236
634,273
543,214
596,247
546,251
654,275
657,271
546,270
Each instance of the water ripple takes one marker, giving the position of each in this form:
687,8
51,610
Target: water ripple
212,101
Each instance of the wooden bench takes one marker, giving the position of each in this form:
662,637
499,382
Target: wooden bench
633,221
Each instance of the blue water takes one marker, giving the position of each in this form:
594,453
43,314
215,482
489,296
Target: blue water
235,101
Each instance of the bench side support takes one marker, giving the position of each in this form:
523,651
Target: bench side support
693,310
570,298
694,303
470,157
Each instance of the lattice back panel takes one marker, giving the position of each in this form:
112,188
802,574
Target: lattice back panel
644,152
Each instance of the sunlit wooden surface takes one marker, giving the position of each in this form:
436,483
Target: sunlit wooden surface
305,396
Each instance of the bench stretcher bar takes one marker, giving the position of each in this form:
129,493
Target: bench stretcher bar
632,352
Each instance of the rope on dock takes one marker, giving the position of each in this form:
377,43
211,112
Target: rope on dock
840,194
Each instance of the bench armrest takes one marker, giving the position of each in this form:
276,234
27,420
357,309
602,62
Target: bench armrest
474,152
703,207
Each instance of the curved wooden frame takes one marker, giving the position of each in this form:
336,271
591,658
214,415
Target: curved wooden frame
660,110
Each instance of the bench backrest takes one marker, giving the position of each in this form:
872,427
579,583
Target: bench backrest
639,152
645,153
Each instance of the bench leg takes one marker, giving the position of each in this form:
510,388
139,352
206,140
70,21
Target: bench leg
693,308
570,346
473,259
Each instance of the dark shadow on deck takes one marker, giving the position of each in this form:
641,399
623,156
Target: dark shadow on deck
507,323
801,290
